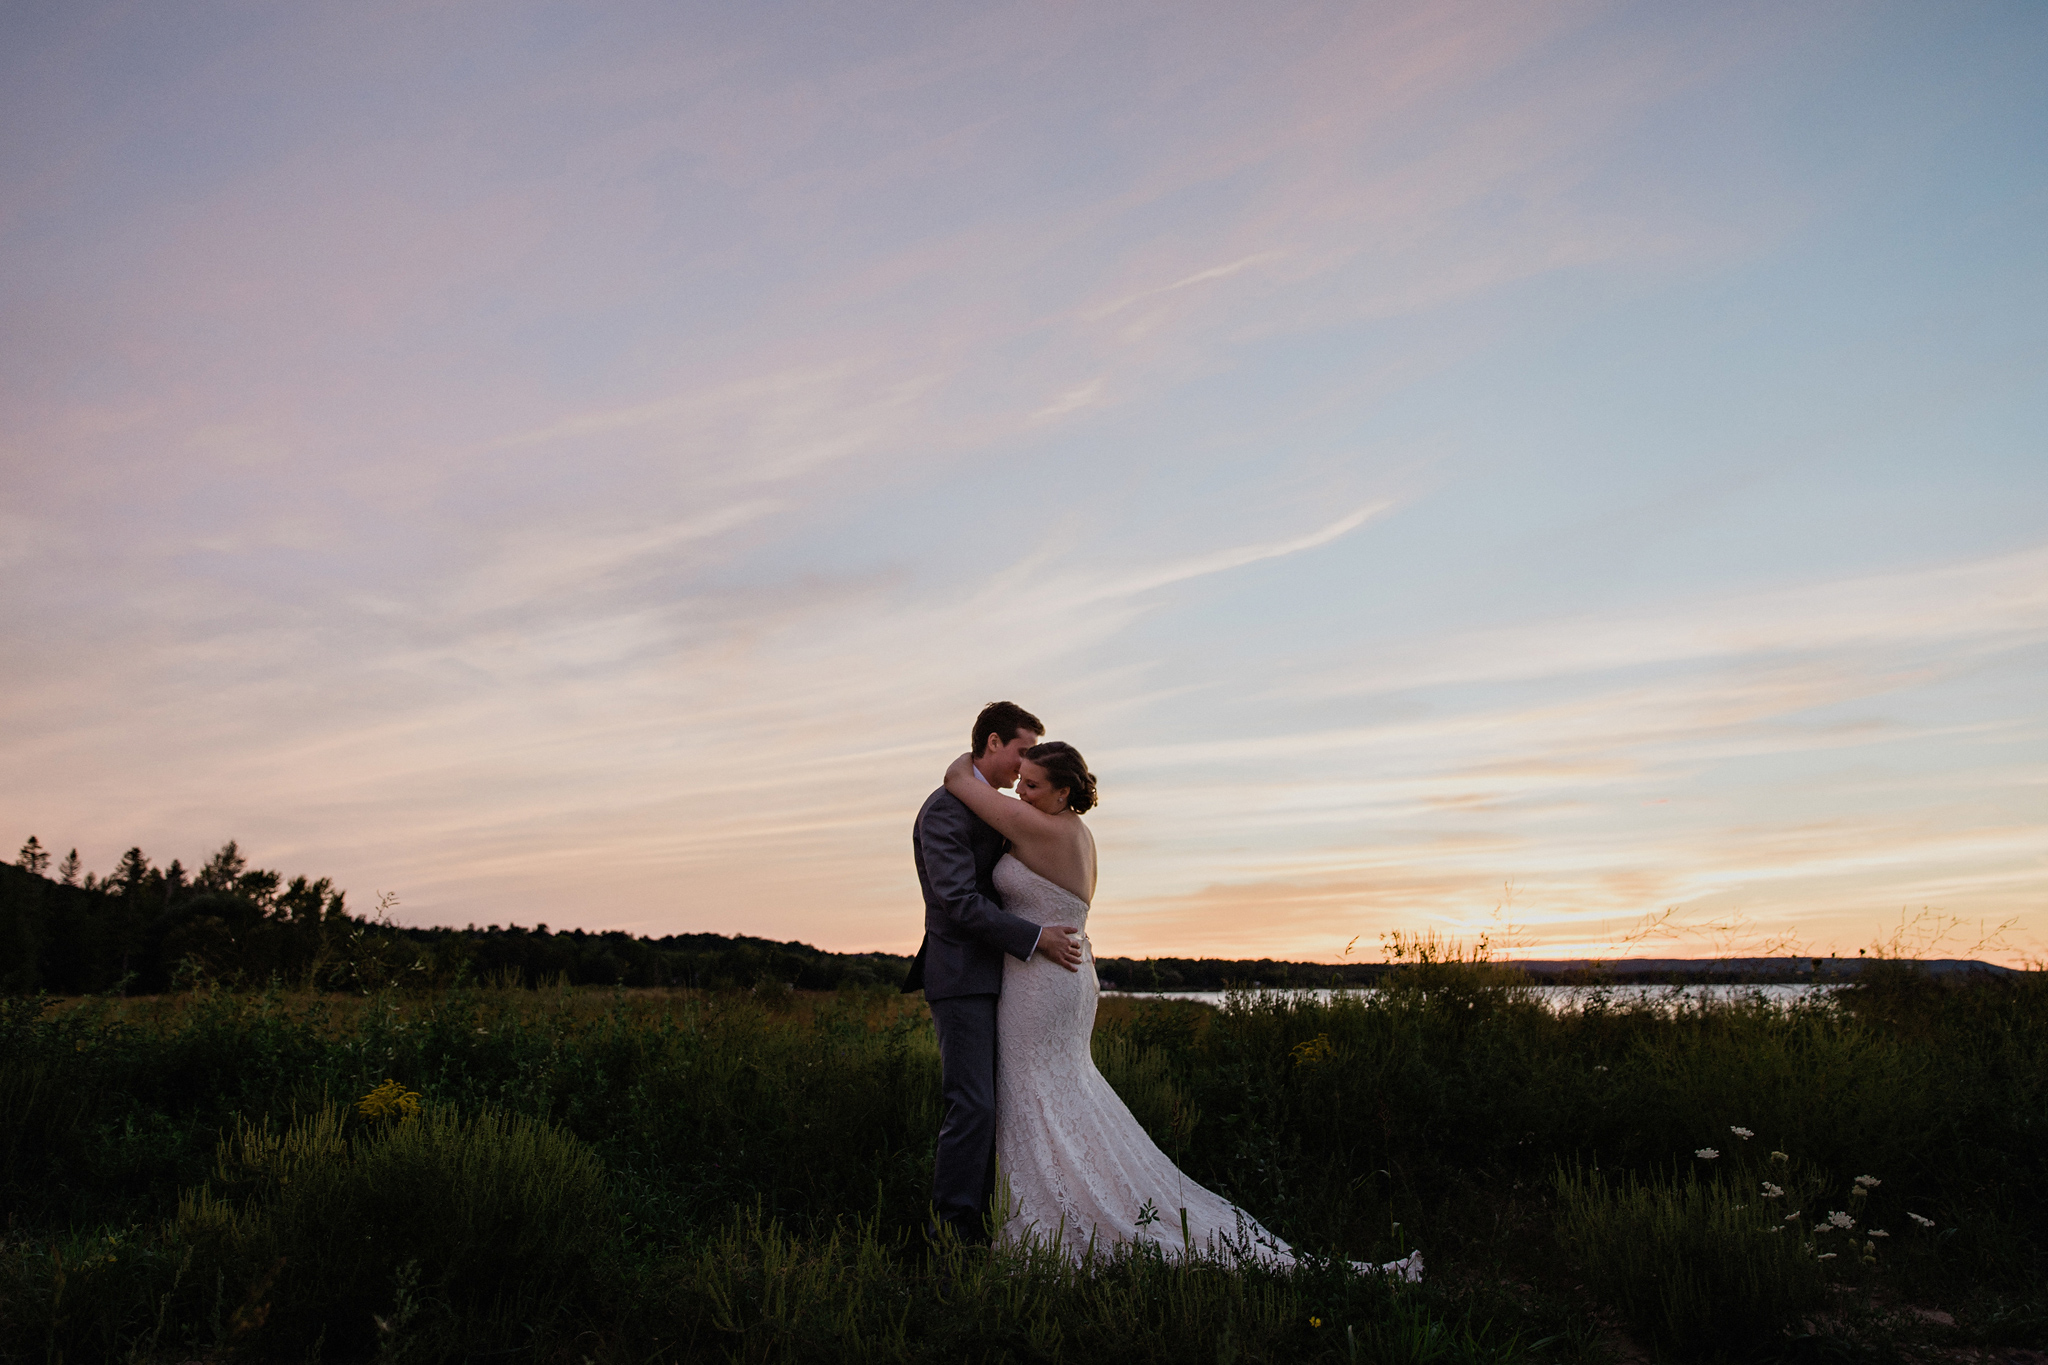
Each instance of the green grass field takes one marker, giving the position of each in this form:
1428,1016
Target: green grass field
602,1175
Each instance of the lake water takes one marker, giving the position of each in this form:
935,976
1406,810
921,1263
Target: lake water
1556,997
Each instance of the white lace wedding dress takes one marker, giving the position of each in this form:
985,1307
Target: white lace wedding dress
1077,1165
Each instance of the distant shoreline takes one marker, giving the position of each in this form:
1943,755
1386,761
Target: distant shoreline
1142,976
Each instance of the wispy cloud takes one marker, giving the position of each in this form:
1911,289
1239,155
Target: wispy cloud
1148,579
1214,272
2000,601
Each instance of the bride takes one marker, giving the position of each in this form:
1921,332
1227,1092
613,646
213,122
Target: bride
1079,1169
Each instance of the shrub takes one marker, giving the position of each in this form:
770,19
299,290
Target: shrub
491,1220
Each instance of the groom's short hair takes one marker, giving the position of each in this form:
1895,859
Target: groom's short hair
1003,719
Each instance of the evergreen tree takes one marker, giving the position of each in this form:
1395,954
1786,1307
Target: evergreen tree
222,870
229,873
131,881
67,871
131,873
258,885
34,857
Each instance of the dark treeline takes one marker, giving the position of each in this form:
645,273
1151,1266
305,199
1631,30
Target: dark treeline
146,929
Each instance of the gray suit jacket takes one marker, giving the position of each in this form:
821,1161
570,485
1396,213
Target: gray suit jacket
966,929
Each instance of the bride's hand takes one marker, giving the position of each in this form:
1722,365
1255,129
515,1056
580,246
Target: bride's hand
1061,943
962,767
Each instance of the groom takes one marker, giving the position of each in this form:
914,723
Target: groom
959,965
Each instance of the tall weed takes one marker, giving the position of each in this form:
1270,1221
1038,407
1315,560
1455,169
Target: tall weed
480,1227
1701,1269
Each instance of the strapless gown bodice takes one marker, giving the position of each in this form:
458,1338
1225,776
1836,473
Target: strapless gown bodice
1036,898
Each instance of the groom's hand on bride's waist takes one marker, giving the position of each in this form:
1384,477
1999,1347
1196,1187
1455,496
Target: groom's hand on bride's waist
1061,943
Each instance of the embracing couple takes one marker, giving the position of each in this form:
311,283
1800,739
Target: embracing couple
1008,973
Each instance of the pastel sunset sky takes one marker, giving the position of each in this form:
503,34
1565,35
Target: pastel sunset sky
1447,466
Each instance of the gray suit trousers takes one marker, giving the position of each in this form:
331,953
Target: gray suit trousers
964,1178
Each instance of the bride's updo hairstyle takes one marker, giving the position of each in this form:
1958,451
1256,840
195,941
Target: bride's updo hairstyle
1065,767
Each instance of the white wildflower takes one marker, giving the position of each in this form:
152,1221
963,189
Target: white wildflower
1779,1156
1773,1191
1868,1182
1742,1133
1923,1222
1841,1220
1792,1217
1879,1232
1825,1256
1706,1153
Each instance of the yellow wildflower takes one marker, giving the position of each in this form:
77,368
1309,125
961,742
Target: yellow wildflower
1316,1049
389,1100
